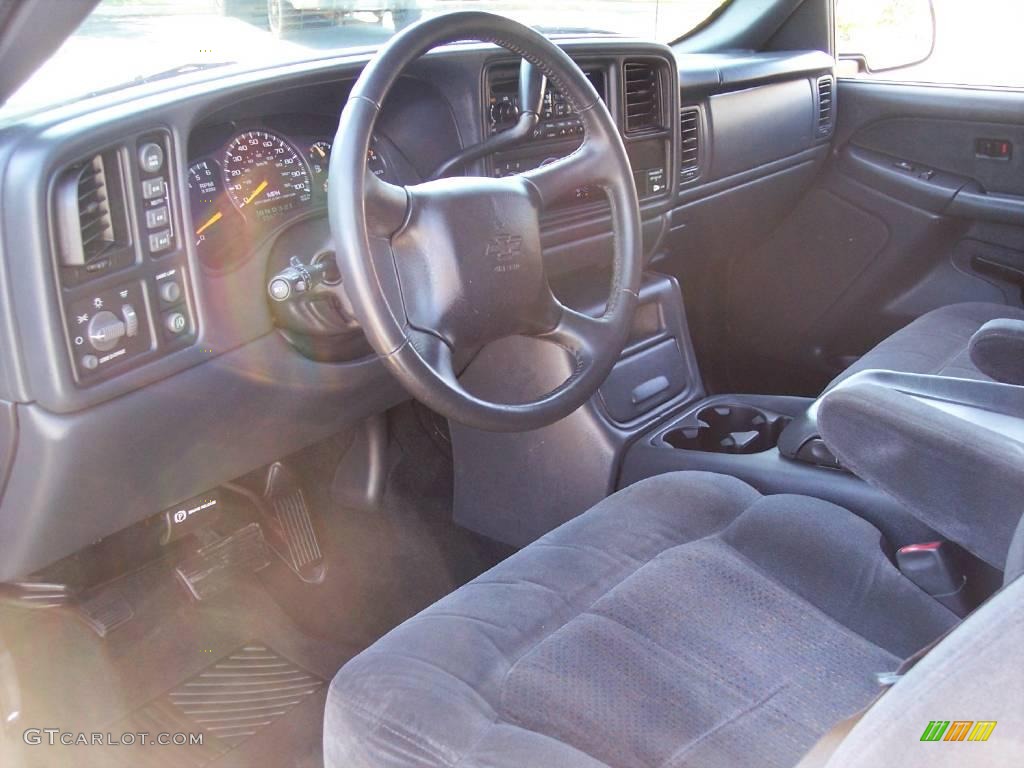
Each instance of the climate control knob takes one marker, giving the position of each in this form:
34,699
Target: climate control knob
106,331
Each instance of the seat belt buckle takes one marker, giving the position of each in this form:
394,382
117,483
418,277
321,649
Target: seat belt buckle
934,567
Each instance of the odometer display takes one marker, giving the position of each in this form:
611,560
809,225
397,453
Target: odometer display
264,176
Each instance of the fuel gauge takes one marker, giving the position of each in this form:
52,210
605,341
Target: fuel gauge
319,156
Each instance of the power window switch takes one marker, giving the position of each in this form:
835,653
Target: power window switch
157,217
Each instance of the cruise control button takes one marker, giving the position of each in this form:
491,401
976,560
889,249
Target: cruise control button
151,157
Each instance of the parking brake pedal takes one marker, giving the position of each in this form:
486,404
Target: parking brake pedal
289,527
208,570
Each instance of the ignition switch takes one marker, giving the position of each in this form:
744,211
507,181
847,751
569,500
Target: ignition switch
296,279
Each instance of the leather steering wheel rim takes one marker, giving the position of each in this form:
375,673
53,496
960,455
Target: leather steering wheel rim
457,263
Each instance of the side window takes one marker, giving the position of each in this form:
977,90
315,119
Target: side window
952,42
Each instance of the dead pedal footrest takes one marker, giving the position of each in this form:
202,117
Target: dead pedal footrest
210,568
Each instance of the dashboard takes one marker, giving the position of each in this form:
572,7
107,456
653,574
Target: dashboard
141,360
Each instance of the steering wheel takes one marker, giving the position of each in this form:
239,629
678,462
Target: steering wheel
451,265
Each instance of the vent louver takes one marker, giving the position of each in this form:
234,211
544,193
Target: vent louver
91,210
689,144
826,104
643,104
94,222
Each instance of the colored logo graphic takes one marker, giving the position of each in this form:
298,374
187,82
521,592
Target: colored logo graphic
958,730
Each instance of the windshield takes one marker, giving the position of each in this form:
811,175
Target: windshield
128,41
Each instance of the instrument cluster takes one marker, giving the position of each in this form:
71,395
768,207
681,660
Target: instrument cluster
256,180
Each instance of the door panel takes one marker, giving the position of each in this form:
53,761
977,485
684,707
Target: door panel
911,214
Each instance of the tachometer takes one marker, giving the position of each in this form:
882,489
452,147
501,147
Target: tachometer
265,175
216,225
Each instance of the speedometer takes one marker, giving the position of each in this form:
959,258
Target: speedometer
264,175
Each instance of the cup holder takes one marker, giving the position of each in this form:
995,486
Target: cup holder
728,429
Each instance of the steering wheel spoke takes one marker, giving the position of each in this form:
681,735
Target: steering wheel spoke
582,335
387,206
436,353
558,181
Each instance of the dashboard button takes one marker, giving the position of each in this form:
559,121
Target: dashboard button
90,362
280,289
151,157
157,217
152,188
169,292
175,322
160,241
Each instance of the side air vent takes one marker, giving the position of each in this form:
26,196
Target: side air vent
643,103
91,210
94,223
826,105
689,145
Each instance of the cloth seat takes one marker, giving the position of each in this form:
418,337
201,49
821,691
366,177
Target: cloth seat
684,621
935,343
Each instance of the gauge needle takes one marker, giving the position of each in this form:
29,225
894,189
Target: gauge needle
320,151
210,222
255,193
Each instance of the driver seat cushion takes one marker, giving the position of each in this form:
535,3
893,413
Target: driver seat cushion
936,343
686,620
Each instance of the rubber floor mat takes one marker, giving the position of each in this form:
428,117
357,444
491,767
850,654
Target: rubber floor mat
228,702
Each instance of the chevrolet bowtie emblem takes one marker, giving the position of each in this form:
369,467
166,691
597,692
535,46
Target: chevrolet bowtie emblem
504,248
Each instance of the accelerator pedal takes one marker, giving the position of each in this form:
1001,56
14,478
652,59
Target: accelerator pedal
212,567
290,531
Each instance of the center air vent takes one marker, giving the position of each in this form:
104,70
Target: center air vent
643,104
689,144
91,210
826,103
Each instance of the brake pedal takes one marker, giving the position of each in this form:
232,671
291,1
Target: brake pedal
104,611
208,570
290,527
